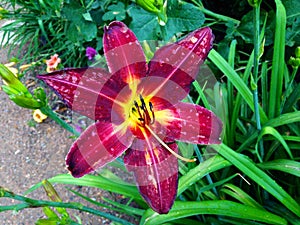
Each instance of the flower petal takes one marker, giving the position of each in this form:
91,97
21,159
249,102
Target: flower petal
123,52
180,62
89,91
98,145
156,173
193,123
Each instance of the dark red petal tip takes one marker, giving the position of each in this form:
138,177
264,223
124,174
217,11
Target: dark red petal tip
123,51
200,42
98,145
180,62
156,174
84,90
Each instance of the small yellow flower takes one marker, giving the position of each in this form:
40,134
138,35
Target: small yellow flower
38,116
52,63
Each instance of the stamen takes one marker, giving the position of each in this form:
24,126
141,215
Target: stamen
152,112
168,148
143,106
151,106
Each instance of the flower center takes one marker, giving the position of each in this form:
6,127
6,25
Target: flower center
142,113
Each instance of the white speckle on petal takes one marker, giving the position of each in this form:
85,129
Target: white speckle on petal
194,39
124,29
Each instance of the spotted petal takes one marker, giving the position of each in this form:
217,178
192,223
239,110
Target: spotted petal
195,124
89,91
123,52
179,62
98,145
156,173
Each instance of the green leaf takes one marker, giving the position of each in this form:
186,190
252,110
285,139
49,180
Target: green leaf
293,33
216,207
276,85
292,99
79,28
236,80
284,119
195,174
281,210
292,8
117,12
144,24
240,195
272,131
244,164
182,17
87,16
94,181
284,165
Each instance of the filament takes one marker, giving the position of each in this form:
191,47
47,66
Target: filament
168,148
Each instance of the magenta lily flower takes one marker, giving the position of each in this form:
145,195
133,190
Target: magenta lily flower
138,109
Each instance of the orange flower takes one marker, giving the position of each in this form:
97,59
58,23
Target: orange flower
52,63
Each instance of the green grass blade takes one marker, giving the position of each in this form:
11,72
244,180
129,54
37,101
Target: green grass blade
264,85
280,210
257,175
195,174
236,80
284,119
240,195
126,208
219,207
271,131
277,62
201,95
284,165
94,181
292,99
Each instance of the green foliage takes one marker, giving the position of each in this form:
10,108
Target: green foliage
117,12
182,17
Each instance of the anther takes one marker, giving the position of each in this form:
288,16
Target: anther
151,106
136,104
143,106
152,112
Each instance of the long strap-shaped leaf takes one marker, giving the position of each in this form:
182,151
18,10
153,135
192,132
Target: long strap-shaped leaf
219,207
94,181
236,80
278,61
257,175
208,166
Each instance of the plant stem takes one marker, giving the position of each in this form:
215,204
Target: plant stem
47,111
215,15
33,203
255,72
